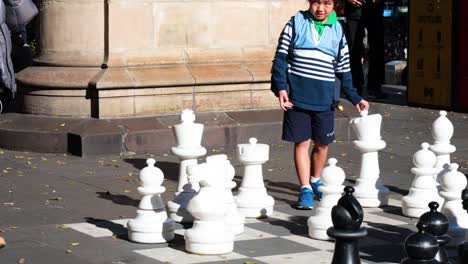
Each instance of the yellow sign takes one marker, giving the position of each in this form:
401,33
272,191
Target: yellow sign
430,48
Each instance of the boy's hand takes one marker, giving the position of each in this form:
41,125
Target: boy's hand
284,100
362,105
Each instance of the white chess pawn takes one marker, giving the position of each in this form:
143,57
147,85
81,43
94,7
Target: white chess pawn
252,198
209,234
452,183
442,132
188,149
332,178
423,189
369,188
151,224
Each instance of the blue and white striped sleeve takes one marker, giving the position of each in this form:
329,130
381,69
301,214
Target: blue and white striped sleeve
285,39
343,65
343,72
279,69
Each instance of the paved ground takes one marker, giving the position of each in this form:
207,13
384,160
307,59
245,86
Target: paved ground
57,208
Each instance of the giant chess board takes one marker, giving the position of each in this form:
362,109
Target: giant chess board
281,238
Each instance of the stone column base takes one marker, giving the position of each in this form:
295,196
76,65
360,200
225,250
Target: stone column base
144,91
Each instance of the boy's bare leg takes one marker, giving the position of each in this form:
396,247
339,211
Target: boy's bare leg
319,157
302,161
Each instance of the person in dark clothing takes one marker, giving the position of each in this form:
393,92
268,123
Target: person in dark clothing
361,15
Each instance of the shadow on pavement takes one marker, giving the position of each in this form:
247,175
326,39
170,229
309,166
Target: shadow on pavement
391,252
397,190
118,198
297,225
117,230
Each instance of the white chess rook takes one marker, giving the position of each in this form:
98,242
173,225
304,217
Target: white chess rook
423,189
442,132
369,188
151,224
332,178
209,235
252,198
452,183
188,149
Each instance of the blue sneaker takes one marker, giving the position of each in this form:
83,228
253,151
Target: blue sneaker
306,200
315,188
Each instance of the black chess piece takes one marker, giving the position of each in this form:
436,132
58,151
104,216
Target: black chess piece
421,247
463,246
437,225
347,217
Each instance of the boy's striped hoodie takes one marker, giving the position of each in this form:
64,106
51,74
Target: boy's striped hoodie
307,71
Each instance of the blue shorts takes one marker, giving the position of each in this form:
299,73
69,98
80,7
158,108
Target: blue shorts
300,125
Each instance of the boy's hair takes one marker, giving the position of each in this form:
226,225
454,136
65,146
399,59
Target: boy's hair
338,3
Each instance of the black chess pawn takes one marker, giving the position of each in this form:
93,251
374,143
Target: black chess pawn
347,217
437,225
463,247
421,247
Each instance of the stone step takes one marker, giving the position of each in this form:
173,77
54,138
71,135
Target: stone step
87,136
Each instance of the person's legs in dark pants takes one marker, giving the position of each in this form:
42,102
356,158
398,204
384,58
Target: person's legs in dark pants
373,19
354,37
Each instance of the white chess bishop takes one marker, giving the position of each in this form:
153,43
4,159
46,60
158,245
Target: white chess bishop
423,189
369,188
252,198
332,178
442,132
189,135
210,235
452,183
151,224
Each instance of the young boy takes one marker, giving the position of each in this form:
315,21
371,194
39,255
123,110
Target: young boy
303,77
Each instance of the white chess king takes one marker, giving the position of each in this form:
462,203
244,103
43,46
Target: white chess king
188,149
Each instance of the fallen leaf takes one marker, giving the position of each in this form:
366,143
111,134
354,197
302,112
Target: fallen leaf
215,150
68,251
343,154
13,227
270,170
169,126
55,199
19,157
44,159
62,125
5,171
62,226
89,172
114,160
74,244
1,152
127,191
21,261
